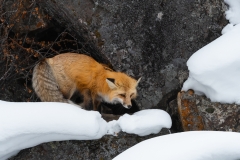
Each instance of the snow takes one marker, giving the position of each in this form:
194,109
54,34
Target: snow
227,28
23,125
195,145
214,69
232,14
147,121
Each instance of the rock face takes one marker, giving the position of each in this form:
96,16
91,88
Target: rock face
188,112
149,38
158,37
199,113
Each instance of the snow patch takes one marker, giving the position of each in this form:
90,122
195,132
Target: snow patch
145,122
232,14
195,145
214,69
24,125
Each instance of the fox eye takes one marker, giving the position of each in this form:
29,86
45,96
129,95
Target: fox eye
122,95
131,94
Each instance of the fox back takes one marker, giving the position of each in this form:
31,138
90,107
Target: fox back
58,78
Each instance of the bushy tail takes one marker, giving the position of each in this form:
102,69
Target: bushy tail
45,85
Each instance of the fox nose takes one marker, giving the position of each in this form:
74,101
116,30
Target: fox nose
129,106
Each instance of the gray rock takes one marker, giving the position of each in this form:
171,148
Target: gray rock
199,113
149,38
161,36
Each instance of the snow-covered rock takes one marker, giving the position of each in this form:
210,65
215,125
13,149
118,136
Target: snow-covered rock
215,69
24,125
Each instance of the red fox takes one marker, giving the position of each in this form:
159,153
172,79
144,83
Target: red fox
57,79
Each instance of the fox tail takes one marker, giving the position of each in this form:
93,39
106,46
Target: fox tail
45,84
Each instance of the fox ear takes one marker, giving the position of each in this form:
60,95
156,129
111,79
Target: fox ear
139,79
111,83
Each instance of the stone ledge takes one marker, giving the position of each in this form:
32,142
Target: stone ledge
199,113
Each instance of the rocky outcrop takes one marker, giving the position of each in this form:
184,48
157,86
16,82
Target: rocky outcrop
199,113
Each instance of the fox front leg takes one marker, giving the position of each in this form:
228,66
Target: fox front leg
86,100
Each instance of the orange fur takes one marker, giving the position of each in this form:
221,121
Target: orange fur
78,72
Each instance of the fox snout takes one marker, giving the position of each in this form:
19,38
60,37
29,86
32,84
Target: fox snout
122,92
125,104
128,106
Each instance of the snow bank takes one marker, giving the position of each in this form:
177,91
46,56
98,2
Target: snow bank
23,125
214,69
145,122
232,14
197,145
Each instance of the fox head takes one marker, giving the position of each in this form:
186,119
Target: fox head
122,90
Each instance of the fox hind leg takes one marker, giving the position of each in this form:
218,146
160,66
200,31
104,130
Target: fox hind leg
45,85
